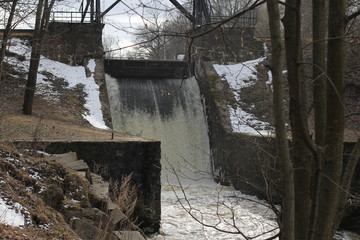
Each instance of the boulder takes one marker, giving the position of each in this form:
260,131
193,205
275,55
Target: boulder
117,216
77,188
53,196
128,235
87,231
65,157
94,215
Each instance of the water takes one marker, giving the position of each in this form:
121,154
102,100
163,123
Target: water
171,110
193,206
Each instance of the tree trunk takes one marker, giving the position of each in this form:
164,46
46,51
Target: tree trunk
319,100
41,25
319,70
298,117
287,224
6,36
335,121
34,61
346,182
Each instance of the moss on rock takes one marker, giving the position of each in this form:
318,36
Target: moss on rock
77,188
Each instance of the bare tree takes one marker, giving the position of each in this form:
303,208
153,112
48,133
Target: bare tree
6,35
319,176
288,206
41,25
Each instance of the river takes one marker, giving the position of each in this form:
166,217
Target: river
193,206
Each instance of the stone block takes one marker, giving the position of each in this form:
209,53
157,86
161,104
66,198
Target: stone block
128,235
79,165
100,187
117,216
65,157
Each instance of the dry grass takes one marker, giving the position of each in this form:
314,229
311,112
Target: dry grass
21,127
19,173
124,195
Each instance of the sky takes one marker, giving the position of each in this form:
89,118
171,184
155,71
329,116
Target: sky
127,15
120,22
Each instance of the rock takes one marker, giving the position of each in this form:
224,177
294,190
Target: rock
99,186
99,218
92,215
79,165
87,231
65,157
117,216
128,235
53,196
77,188
110,205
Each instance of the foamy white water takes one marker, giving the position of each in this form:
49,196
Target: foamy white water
172,112
215,205
169,110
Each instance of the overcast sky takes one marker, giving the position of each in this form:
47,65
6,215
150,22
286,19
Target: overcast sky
127,15
120,22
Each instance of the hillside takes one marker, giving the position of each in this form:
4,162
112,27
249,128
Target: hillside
66,107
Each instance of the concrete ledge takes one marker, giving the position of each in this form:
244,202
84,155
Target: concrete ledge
119,68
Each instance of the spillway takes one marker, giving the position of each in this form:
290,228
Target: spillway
169,110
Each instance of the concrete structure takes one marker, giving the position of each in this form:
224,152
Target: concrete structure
72,43
146,68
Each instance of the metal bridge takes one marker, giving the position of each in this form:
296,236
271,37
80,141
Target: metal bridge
90,12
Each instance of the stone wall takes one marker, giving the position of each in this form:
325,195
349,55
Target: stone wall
71,43
238,159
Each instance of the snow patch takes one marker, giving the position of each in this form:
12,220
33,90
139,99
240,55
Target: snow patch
242,75
12,214
73,75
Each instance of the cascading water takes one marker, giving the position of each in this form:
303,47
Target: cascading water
170,110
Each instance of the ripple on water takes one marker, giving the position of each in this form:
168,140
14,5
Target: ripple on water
215,205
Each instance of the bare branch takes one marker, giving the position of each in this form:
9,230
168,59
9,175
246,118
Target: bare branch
352,16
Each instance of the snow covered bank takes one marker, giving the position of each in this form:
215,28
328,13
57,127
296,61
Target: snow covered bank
12,214
239,76
73,75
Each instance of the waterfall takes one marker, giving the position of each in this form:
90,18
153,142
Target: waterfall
168,110
171,110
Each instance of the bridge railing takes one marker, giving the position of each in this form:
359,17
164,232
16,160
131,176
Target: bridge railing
248,19
69,17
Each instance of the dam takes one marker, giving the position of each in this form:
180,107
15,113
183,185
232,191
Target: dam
151,100
171,109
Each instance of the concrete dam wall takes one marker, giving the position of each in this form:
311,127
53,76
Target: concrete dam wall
165,108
